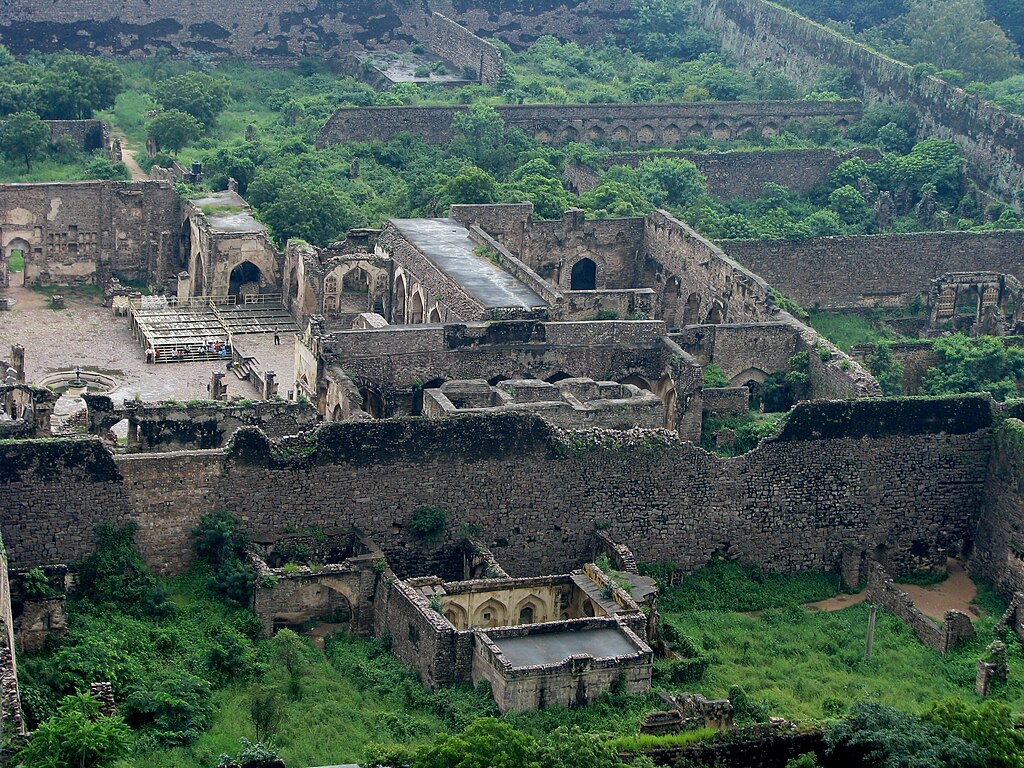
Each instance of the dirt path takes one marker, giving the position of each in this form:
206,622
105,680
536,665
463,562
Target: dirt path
955,593
128,157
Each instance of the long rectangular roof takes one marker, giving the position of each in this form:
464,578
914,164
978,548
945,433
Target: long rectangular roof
448,246
555,647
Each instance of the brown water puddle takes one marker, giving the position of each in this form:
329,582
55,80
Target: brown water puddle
955,593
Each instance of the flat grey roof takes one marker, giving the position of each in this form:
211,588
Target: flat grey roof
447,244
554,647
228,213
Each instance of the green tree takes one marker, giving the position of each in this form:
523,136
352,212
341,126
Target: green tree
613,199
471,185
200,95
73,87
115,575
848,204
888,738
665,181
955,34
479,137
76,737
318,213
173,130
23,136
989,725
982,364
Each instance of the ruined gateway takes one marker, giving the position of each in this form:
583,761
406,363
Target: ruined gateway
459,364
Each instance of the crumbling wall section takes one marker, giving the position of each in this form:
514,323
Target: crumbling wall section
906,474
453,42
85,135
11,720
955,627
998,553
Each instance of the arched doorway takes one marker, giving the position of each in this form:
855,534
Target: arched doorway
557,377
355,290
416,309
245,281
670,302
373,402
398,305
638,381
583,276
717,313
16,256
435,316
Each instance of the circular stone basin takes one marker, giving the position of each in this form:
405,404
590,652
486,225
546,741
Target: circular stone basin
95,383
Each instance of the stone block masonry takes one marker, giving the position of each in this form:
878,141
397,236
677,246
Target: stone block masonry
86,231
456,44
269,30
903,474
758,32
875,270
651,124
956,626
735,174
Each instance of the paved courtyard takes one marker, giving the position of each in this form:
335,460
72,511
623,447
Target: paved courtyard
89,334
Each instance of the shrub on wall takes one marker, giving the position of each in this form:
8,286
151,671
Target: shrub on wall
428,523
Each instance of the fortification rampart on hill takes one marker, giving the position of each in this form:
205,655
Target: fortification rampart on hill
758,32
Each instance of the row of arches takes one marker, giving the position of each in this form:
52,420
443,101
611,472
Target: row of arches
672,133
677,313
411,305
352,289
495,613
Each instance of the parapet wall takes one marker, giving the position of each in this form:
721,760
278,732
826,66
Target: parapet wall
906,474
284,29
758,32
998,553
456,44
650,124
10,699
875,270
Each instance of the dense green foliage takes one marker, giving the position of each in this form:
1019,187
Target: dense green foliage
220,542
893,739
982,364
77,736
23,136
64,86
724,585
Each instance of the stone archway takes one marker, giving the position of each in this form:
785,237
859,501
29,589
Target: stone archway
398,305
16,255
670,301
246,279
583,276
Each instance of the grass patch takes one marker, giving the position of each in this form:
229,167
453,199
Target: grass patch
17,262
809,664
87,291
846,329
731,586
634,744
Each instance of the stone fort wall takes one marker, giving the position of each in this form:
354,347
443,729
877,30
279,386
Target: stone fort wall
282,29
758,32
735,174
875,270
904,475
651,124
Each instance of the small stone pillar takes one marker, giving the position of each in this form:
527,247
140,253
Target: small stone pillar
218,389
57,301
105,693
269,385
18,362
232,185
983,680
184,285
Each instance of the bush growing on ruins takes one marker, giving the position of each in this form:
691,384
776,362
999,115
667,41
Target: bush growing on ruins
428,523
887,370
989,725
982,364
470,186
23,136
174,706
221,544
714,376
173,130
77,736
115,575
35,585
